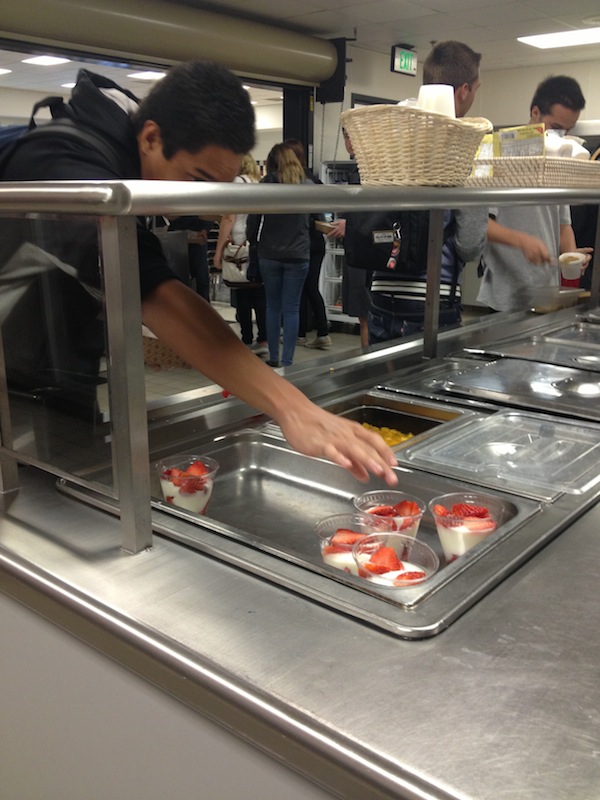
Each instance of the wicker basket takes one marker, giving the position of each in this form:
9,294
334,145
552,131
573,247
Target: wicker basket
536,171
402,146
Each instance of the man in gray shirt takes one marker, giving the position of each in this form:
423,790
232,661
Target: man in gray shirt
523,240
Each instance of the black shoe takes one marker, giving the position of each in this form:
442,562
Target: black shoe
272,363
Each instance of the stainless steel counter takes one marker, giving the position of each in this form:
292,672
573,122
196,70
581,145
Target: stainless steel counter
504,704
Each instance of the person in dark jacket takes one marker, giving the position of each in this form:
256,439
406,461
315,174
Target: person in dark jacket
195,124
282,246
311,296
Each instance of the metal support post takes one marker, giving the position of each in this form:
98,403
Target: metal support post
130,449
434,269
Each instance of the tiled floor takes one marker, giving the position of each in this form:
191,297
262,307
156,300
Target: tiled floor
165,382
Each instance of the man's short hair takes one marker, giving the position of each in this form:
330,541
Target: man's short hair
453,63
561,90
198,104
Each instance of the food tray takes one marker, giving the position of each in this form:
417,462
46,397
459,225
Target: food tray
387,409
401,146
529,384
261,518
535,171
520,452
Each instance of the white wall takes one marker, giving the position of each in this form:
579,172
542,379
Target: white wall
16,105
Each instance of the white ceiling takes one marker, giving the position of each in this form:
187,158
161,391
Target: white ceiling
489,26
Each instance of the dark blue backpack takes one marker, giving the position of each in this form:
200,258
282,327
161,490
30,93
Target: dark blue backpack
12,136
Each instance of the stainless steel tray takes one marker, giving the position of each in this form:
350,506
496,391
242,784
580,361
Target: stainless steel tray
539,348
529,384
261,517
410,415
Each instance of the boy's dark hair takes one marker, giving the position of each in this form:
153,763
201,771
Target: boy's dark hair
451,62
199,104
559,89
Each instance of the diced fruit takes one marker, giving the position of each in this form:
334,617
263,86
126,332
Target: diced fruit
382,511
440,511
406,508
409,577
375,569
386,557
478,524
345,537
197,468
176,476
468,510
406,523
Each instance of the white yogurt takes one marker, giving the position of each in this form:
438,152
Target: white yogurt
456,541
194,501
388,578
343,560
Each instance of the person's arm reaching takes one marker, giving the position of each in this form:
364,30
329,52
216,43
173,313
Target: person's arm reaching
186,323
534,250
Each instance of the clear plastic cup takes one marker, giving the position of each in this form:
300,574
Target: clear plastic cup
340,532
394,560
463,519
187,480
405,510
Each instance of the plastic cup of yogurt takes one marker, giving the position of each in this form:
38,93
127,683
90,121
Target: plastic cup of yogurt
571,265
340,532
394,560
463,519
187,481
405,510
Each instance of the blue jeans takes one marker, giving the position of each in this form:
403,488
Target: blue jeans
283,281
392,318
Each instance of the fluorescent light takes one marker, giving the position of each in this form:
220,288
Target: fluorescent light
45,61
4,71
545,41
149,75
68,85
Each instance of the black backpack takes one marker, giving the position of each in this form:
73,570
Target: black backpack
62,125
371,236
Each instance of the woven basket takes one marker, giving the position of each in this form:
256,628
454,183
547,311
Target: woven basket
536,171
401,146
160,356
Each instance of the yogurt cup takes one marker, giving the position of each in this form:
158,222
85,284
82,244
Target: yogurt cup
404,510
394,560
340,532
187,481
464,519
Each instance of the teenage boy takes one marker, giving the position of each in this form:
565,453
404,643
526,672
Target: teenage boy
195,124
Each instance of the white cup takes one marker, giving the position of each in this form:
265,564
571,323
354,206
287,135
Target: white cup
571,265
437,97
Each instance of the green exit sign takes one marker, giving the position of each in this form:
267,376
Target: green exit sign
404,61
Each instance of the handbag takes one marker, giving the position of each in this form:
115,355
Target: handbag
234,263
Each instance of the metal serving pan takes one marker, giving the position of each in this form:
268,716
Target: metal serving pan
409,415
267,499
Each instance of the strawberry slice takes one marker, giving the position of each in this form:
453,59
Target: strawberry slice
467,510
197,468
409,577
479,525
440,511
345,538
385,557
382,511
406,508
176,476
